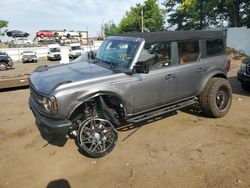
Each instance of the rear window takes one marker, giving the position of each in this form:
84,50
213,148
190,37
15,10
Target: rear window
188,51
215,47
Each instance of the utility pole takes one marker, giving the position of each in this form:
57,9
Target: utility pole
142,21
87,32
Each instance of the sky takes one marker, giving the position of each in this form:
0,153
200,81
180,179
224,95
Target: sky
34,15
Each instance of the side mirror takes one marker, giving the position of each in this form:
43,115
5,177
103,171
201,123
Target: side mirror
141,67
91,55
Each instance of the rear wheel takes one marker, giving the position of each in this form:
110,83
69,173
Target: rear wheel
216,98
3,66
96,137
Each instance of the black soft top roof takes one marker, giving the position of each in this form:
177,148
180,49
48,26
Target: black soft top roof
177,35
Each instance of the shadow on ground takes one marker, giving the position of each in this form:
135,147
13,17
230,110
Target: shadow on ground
60,183
130,126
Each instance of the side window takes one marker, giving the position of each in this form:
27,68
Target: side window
188,51
215,47
157,55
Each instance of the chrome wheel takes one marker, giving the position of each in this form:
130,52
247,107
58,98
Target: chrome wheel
96,137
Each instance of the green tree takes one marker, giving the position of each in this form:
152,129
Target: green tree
176,19
131,22
153,18
200,14
110,29
3,24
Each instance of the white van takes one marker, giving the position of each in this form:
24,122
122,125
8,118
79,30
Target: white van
54,52
75,50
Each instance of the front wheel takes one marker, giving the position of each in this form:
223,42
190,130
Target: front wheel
96,137
216,98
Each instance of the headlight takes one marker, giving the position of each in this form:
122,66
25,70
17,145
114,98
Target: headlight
47,104
243,67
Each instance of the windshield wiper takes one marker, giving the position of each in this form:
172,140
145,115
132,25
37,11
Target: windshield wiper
112,64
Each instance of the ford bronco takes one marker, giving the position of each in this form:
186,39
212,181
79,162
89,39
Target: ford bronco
130,79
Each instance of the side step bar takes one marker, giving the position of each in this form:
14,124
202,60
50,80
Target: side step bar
162,111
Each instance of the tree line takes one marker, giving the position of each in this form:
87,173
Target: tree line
182,15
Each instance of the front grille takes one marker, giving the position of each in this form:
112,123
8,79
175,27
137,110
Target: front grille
37,98
248,69
57,55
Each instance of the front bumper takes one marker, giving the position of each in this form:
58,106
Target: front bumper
75,55
55,57
52,125
243,77
29,59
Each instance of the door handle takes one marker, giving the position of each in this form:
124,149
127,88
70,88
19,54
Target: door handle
169,77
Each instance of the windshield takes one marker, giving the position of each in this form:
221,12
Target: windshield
55,50
117,52
75,47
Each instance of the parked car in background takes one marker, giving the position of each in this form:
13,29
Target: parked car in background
45,33
20,42
75,50
69,34
5,61
29,56
17,33
244,74
54,52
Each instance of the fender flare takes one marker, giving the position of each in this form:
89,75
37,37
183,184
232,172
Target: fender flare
97,94
212,74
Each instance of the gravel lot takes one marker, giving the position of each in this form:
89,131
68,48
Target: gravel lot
185,149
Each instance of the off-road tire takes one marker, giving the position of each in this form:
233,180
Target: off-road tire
245,86
3,66
84,148
208,98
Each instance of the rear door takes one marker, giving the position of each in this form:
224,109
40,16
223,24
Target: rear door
190,69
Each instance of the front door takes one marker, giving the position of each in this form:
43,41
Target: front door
160,84
153,89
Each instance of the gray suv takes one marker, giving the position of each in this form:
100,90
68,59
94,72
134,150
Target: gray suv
130,79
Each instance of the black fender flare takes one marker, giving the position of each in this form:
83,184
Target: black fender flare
212,74
97,94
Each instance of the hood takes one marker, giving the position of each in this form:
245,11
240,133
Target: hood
46,78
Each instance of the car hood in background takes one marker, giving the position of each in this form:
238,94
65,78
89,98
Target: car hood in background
46,78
